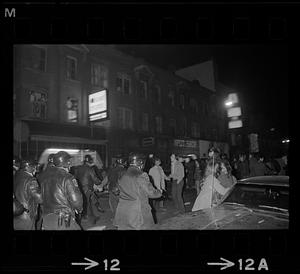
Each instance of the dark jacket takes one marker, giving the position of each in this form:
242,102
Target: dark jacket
242,169
86,177
114,175
60,192
27,192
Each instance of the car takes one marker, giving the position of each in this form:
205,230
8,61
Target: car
253,203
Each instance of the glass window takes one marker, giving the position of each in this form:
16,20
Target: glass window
144,89
99,75
38,101
171,96
36,58
158,124
72,110
123,83
125,118
71,68
157,94
195,130
145,122
172,124
194,105
181,101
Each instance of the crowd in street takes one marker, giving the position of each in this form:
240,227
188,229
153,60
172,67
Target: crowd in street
60,196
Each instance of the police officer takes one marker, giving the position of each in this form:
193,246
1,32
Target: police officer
114,175
61,196
87,177
28,193
133,210
40,177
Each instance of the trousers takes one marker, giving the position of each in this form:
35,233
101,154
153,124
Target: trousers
177,195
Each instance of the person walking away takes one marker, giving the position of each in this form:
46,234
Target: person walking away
158,176
133,210
40,178
212,189
114,175
190,168
62,199
28,193
177,176
242,167
86,177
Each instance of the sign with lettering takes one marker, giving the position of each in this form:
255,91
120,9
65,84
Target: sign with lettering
98,107
185,143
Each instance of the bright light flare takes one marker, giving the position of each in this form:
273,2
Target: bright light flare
228,103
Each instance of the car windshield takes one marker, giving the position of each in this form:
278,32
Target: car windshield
265,197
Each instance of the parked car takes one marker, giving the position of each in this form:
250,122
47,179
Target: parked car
253,203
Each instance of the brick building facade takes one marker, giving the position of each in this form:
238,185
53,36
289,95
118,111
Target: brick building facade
150,109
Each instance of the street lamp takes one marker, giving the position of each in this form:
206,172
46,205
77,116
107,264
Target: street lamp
228,103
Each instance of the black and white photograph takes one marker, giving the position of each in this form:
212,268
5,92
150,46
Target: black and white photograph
150,137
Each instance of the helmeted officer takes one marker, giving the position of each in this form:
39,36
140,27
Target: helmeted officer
133,210
87,177
62,198
40,177
28,193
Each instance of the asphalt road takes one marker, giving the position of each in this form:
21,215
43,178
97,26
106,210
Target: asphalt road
105,220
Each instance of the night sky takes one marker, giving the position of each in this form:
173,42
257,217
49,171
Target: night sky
259,73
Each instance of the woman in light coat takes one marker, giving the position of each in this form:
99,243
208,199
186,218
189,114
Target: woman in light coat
211,189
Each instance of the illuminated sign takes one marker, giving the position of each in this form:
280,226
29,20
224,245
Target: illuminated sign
235,124
98,105
185,143
234,112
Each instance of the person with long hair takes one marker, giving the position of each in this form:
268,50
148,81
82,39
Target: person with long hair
212,188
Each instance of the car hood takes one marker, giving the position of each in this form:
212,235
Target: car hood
226,216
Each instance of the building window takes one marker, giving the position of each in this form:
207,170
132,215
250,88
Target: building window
181,101
171,96
36,58
157,94
195,130
38,100
158,124
144,89
194,105
182,128
99,75
172,124
123,83
125,118
72,110
71,68
145,122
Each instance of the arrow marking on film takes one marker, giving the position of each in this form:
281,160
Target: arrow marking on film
90,264
225,265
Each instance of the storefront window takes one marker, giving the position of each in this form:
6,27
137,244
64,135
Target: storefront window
38,101
72,110
71,67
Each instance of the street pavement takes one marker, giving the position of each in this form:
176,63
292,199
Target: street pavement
105,221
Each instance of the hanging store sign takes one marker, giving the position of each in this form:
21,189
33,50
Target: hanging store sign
234,112
98,106
148,141
185,143
235,124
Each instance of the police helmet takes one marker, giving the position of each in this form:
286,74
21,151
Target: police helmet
28,164
62,159
88,159
120,160
136,159
50,158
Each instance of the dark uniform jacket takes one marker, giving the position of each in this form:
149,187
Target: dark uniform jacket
86,177
60,192
27,192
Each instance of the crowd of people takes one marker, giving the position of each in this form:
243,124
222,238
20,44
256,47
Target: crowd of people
61,196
